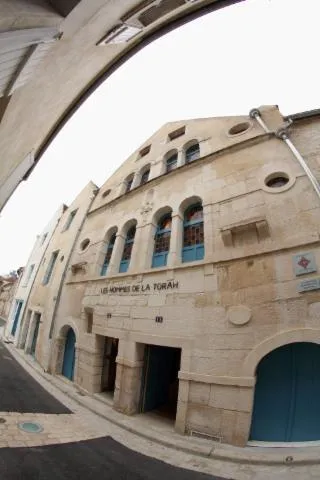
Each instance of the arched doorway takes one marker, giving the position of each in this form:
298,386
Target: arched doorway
286,401
69,355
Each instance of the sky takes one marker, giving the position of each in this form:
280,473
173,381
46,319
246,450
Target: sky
259,52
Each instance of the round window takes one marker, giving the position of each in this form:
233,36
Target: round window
84,244
239,128
277,181
106,193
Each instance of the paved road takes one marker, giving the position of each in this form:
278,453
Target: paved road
98,459
19,392
42,456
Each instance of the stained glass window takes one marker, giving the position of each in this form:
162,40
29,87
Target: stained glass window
162,242
126,255
193,234
107,257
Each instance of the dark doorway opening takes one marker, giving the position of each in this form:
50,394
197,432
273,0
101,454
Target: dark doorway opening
160,384
35,334
109,367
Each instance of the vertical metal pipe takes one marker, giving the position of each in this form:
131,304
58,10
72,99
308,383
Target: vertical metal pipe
283,135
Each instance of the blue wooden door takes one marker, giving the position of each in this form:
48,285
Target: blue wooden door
35,337
16,317
286,402
69,355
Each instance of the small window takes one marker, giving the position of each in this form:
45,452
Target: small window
84,244
129,184
145,176
50,268
30,271
144,151
106,193
192,153
89,320
239,128
70,220
172,162
44,238
277,181
177,133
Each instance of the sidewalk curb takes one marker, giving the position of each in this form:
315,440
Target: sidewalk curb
283,456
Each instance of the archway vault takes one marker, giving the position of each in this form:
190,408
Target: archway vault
51,94
252,360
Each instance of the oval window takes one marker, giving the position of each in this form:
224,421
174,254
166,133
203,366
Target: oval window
239,128
84,244
277,181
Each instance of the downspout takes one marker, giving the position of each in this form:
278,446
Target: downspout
282,134
56,305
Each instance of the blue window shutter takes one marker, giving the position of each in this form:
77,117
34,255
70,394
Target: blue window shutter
124,264
159,259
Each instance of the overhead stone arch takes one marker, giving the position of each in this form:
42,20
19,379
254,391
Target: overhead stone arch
252,360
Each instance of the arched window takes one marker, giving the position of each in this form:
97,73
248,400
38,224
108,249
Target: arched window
126,255
107,257
192,153
128,182
145,176
193,235
171,163
162,242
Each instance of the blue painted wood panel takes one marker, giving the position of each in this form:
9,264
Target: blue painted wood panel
19,304
69,355
286,402
159,259
193,253
124,265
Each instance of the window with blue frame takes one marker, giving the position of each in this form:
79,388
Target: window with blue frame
126,255
171,163
193,234
192,153
50,267
162,242
107,257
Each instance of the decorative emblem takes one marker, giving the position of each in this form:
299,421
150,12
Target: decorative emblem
304,263
145,209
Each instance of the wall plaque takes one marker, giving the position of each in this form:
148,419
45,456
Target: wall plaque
310,284
304,263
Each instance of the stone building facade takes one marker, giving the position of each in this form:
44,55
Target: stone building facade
23,290
38,321
194,279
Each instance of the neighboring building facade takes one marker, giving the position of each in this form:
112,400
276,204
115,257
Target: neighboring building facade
192,288
8,287
44,296
30,271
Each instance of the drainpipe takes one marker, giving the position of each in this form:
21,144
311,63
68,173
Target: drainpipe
94,193
282,134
